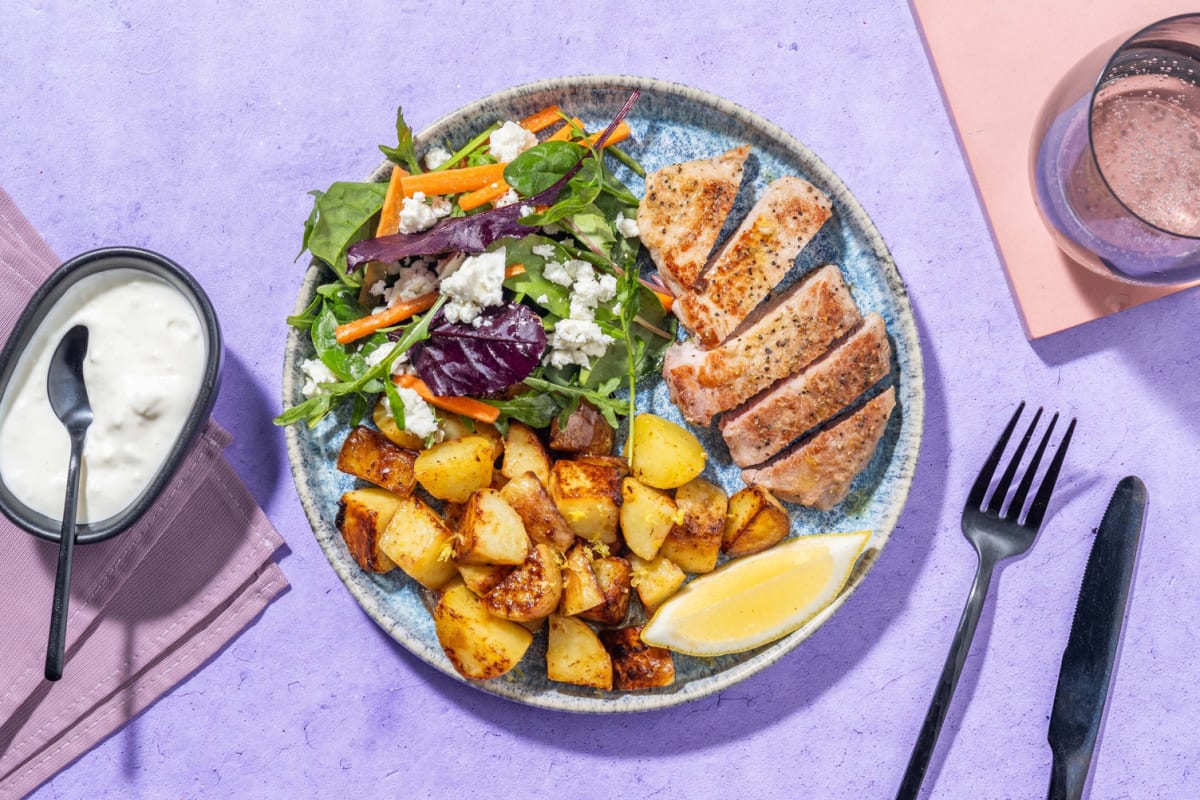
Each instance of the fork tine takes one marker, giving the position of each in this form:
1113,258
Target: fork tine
1042,499
1018,501
975,498
1006,480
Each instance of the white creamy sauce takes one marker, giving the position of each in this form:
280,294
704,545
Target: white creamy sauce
144,368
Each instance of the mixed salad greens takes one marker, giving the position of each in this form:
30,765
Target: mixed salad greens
511,287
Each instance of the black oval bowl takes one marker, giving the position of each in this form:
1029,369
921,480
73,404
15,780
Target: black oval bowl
47,295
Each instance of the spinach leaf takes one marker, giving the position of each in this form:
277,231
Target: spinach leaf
535,409
403,153
532,282
309,223
592,229
343,217
541,166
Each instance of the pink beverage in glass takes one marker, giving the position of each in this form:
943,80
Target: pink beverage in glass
1115,161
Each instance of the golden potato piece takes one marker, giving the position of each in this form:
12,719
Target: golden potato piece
543,521
581,590
665,455
655,580
637,665
531,591
453,470
363,516
388,427
586,432
370,455
524,452
614,575
756,521
647,516
575,654
479,645
588,495
695,541
482,578
454,426
419,543
490,532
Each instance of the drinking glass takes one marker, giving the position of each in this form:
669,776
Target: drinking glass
1115,156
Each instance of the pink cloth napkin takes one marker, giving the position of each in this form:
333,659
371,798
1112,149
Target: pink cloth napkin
148,607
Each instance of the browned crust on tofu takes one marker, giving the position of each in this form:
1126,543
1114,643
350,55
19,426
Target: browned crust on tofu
818,473
774,419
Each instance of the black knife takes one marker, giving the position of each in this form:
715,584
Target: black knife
1087,663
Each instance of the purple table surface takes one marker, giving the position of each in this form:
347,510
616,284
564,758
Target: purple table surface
198,133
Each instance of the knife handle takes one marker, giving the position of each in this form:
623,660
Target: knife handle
1067,777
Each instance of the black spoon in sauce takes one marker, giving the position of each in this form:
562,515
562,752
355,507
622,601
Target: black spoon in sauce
69,399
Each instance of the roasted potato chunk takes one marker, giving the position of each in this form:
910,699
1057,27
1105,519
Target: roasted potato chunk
531,591
543,521
695,541
637,665
647,516
587,432
419,543
482,578
388,427
363,516
454,469
581,590
756,521
575,654
614,575
655,580
588,496
665,455
523,452
454,426
370,455
479,645
490,532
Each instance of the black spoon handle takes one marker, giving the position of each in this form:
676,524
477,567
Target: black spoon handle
56,647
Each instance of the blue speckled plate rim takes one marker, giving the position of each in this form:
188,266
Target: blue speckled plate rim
900,470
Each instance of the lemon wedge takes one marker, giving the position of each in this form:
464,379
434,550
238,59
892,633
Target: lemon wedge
757,599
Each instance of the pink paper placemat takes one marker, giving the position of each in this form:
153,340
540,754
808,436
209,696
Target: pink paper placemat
997,62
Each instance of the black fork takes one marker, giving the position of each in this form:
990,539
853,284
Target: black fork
996,532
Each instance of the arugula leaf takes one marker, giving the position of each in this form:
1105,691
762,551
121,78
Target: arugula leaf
541,166
343,217
403,153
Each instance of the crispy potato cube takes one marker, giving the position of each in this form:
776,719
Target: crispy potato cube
370,455
581,590
637,665
756,521
695,541
452,514
543,521
655,580
454,426
647,516
419,543
531,591
614,576
575,654
588,496
479,645
490,532
523,452
482,578
586,432
617,463
453,470
363,516
386,423
665,455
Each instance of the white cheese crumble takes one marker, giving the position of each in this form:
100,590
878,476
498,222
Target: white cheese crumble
317,377
399,366
418,415
587,291
377,288
509,141
576,341
413,282
436,157
476,284
506,199
543,250
626,227
416,215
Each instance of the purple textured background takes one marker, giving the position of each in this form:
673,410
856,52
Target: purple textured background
198,133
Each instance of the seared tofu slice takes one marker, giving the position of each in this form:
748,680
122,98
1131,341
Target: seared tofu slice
788,334
755,260
819,472
777,417
682,213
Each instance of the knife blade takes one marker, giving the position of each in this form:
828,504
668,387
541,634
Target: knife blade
1087,662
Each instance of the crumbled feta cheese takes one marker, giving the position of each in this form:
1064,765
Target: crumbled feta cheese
557,272
526,210
478,283
418,415
317,377
588,292
626,227
450,265
416,215
543,250
436,157
576,342
506,199
541,299
509,141
376,356
377,288
413,282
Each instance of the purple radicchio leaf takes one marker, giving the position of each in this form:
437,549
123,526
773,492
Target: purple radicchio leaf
475,233
461,359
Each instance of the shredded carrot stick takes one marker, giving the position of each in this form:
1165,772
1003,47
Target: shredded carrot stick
514,270
564,133
467,406
488,194
540,120
357,329
389,215
619,134
453,181
666,299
